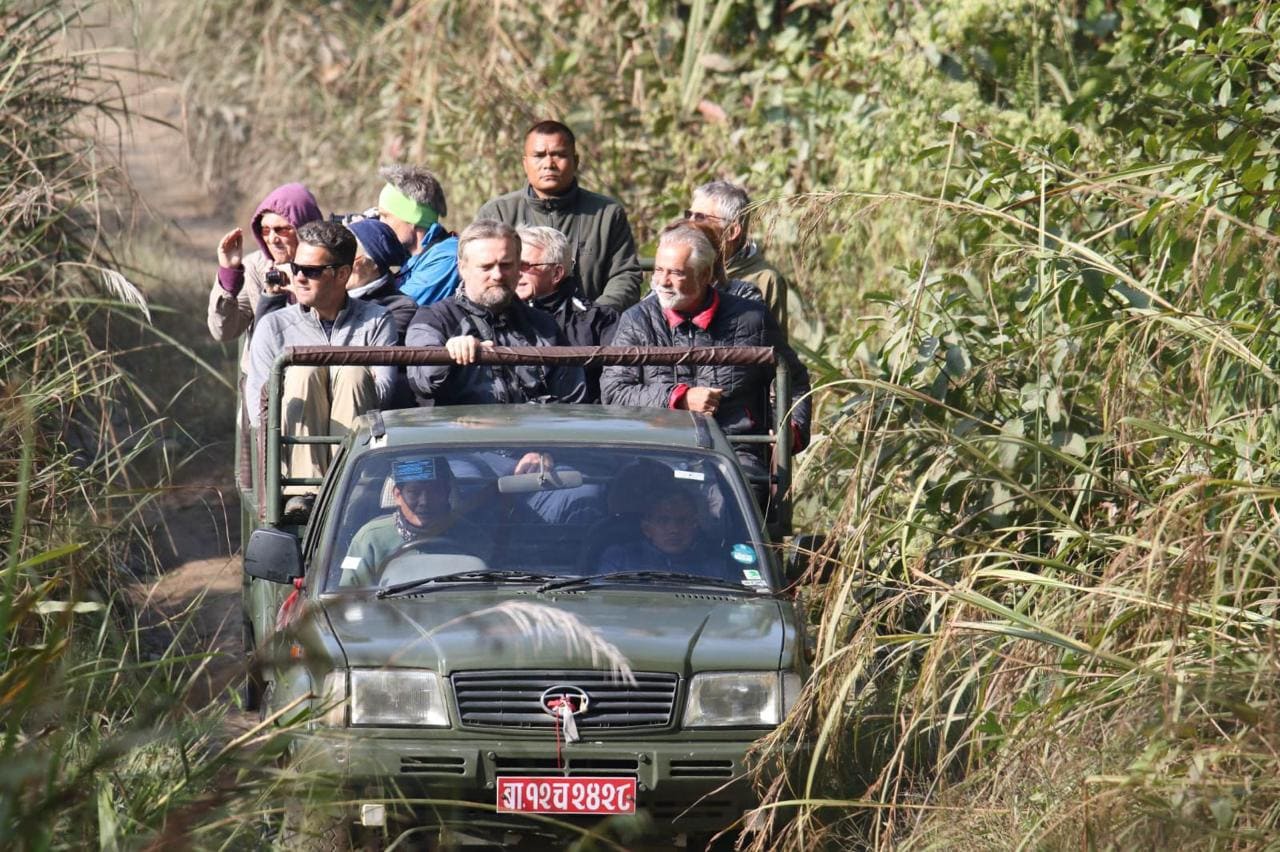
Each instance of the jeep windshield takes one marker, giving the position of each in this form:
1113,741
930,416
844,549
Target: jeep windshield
425,519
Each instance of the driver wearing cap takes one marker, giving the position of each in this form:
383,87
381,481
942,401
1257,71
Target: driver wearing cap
423,513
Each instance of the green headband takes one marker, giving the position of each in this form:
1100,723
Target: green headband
403,207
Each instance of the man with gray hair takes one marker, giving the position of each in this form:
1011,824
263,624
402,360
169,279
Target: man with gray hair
687,311
545,284
412,203
724,206
483,313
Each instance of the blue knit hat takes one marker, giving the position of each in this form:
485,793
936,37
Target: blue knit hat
380,245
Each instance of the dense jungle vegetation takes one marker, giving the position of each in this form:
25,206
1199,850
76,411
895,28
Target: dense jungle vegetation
1035,272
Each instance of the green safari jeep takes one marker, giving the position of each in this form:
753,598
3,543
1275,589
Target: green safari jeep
509,620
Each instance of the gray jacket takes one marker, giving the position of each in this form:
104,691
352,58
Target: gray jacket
359,323
604,251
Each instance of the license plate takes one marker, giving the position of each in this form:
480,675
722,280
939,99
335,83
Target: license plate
528,795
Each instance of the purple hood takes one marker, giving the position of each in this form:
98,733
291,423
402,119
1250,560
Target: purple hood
293,201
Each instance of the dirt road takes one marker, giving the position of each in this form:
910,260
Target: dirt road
196,532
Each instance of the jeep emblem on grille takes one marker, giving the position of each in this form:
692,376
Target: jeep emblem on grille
575,697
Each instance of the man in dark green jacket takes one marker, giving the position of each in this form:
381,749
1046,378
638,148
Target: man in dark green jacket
604,251
724,205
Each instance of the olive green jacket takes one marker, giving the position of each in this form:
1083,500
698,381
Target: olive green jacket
748,264
604,251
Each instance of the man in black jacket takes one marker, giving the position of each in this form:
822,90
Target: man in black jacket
545,284
485,312
600,241
379,256
688,311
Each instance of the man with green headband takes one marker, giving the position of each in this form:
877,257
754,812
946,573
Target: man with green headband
412,203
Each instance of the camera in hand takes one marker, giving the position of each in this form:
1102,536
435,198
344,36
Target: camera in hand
275,278
352,218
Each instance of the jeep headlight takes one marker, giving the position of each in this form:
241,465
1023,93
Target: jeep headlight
394,697
734,699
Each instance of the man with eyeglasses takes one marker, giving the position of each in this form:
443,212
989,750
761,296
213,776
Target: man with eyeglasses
724,206
601,247
321,400
546,285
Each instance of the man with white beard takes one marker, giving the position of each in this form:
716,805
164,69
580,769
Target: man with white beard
484,312
687,311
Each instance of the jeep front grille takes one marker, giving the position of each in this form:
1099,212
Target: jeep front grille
510,699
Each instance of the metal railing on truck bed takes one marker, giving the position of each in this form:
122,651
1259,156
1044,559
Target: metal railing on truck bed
270,483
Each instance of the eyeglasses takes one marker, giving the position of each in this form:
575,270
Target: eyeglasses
313,272
702,217
525,267
282,230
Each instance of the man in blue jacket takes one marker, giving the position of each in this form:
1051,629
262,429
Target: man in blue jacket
412,203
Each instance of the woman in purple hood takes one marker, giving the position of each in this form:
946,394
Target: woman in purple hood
243,279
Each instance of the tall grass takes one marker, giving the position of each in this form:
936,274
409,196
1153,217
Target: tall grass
103,743
1039,237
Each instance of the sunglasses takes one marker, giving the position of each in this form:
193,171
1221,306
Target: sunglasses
313,272
701,217
283,230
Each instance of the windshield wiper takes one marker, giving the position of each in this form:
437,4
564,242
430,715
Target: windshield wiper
624,576
487,576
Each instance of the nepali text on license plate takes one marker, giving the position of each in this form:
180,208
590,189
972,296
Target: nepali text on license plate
566,795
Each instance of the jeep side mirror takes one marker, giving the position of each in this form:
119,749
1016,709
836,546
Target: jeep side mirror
273,555
802,559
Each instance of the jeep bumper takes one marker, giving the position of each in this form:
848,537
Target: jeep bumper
683,786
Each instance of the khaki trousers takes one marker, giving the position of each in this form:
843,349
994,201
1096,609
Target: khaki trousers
321,401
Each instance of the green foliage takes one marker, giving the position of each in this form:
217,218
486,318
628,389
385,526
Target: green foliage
1039,238
103,743
1058,472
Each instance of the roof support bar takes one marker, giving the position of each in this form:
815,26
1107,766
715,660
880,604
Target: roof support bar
585,356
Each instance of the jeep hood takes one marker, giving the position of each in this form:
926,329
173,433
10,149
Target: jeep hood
465,629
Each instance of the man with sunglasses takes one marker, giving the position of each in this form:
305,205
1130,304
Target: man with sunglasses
321,400
723,206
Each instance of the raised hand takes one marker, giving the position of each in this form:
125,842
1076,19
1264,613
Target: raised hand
231,250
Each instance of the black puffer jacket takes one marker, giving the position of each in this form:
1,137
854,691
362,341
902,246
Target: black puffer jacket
745,289
726,320
582,323
518,325
400,306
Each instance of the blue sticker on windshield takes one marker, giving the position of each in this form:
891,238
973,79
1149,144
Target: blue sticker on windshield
744,553
414,470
